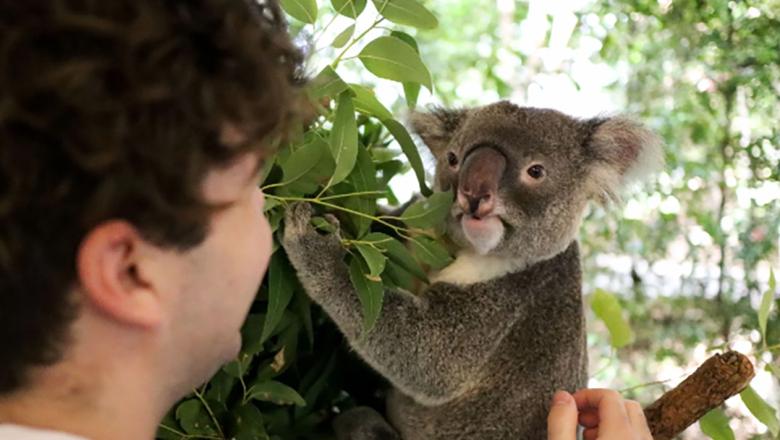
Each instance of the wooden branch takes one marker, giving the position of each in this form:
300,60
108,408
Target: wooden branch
717,379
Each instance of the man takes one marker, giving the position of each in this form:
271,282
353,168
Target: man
132,239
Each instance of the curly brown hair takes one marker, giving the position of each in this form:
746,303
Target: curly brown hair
113,109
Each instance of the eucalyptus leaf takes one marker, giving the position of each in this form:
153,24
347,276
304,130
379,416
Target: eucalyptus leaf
766,306
365,102
349,8
716,425
375,259
370,293
761,410
363,179
326,83
343,139
428,213
343,37
396,276
431,253
391,58
303,10
607,308
403,138
407,12
276,392
397,253
280,291
249,424
194,419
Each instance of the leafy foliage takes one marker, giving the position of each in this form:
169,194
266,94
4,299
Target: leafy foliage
285,382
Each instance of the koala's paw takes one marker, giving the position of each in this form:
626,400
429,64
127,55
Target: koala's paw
297,219
301,238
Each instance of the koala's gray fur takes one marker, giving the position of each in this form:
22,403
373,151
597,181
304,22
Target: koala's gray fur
480,352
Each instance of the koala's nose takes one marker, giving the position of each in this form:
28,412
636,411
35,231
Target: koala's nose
477,205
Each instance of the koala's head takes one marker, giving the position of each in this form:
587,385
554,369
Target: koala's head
523,176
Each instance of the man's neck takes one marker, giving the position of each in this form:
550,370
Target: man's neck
94,391
120,413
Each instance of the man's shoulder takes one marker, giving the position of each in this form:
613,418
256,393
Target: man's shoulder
17,432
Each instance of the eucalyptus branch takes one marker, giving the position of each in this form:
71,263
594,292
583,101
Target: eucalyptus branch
354,194
318,201
355,40
211,413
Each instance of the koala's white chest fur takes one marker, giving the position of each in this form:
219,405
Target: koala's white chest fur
469,268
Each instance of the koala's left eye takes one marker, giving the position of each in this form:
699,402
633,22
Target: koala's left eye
536,171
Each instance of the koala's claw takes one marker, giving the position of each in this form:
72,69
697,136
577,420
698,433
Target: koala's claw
333,220
296,219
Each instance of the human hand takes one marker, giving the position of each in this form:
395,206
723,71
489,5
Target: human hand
604,414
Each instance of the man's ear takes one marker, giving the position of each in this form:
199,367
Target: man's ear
112,278
621,151
437,127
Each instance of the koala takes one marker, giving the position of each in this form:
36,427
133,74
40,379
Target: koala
479,353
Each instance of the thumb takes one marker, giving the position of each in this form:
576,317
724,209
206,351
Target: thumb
562,420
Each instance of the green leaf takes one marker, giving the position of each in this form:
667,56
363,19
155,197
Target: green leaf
343,36
249,424
363,178
411,90
370,293
406,38
430,212
766,305
607,308
411,93
300,162
303,10
391,58
365,101
308,167
349,8
397,253
343,139
238,367
280,291
431,253
276,392
302,306
322,224
716,425
251,333
761,410
403,138
375,259
326,83
194,419
406,12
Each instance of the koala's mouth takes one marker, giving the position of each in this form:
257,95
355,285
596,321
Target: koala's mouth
483,233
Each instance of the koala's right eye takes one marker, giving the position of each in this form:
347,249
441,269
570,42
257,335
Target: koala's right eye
452,159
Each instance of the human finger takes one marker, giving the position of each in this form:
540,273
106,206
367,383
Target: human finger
588,419
613,418
562,419
638,422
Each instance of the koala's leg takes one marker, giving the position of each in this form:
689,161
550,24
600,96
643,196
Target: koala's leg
363,423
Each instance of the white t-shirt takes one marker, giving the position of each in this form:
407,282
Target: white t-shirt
16,432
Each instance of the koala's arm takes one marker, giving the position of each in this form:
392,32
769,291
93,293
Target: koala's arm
431,347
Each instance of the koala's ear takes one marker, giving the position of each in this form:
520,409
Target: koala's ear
621,151
437,127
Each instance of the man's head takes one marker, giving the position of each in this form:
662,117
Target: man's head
130,137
